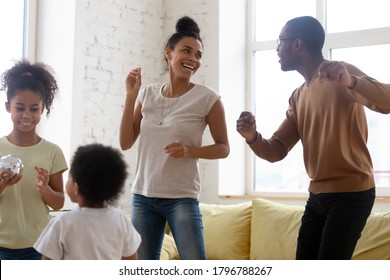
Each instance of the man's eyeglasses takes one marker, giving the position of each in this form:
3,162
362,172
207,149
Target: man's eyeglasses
280,40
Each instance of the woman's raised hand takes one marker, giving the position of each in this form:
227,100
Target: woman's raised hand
133,82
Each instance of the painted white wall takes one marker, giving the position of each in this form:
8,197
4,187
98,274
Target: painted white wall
232,71
54,46
93,44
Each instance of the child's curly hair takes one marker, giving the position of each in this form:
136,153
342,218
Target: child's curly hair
100,172
37,77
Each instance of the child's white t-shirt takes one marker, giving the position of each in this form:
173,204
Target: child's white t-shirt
89,234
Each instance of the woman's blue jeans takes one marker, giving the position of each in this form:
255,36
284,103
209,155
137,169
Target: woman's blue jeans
150,215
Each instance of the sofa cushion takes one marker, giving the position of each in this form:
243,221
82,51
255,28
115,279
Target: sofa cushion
227,230
374,244
274,230
169,250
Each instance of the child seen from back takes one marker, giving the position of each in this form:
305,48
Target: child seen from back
94,230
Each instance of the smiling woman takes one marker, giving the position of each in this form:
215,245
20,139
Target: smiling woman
169,119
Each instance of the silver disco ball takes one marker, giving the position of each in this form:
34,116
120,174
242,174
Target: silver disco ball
11,163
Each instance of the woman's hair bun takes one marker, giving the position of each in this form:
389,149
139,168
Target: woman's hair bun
187,25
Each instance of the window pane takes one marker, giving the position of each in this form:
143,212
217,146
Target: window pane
366,58
271,16
351,15
273,89
11,20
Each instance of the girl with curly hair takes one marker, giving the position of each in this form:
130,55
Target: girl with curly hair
25,198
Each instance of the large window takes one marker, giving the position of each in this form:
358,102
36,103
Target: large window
361,37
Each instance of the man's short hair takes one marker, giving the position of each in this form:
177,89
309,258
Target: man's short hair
309,30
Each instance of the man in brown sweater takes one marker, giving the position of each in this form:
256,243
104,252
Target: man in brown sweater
327,114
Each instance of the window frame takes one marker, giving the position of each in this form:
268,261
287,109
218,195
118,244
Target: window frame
30,29
346,39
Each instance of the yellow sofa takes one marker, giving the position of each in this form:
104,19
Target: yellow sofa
265,230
